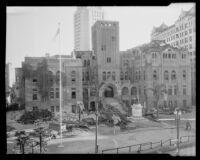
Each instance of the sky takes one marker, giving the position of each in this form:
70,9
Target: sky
30,30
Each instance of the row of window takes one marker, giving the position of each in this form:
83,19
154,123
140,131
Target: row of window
86,63
173,75
85,76
169,55
108,76
54,94
124,76
155,75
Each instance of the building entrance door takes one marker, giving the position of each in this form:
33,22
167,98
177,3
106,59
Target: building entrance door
109,92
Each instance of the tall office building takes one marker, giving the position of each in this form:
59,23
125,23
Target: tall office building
84,18
182,34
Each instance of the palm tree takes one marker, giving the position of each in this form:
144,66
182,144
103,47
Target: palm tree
158,92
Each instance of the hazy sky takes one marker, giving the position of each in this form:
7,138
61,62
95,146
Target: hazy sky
30,30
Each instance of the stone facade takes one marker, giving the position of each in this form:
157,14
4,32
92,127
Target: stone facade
123,77
181,34
71,92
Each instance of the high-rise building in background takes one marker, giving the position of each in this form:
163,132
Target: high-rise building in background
84,18
182,34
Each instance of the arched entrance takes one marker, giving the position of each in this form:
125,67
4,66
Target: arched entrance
109,92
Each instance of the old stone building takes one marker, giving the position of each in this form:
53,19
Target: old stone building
110,76
181,34
71,83
157,64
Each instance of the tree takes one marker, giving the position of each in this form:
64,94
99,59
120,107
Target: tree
22,140
158,92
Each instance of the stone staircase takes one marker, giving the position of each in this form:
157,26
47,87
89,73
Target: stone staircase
115,103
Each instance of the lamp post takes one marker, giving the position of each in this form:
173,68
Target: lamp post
177,114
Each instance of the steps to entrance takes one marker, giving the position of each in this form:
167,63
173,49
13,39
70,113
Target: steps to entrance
115,103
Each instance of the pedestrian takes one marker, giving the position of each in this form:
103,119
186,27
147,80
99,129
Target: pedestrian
188,125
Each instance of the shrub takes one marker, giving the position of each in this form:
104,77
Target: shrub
12,107
30,116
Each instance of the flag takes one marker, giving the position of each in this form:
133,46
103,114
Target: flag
56,34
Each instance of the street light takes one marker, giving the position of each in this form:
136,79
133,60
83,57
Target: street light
177,113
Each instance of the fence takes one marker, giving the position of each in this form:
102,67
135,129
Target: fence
137,148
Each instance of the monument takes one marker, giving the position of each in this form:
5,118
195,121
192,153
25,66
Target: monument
137,111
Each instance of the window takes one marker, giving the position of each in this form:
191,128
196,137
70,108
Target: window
73,76
170,90
104,76
166,75
190,31
184,90
87,76
154,75
51,93
35,91
186,25
34,80
85,63
57,109
190,46
186,32
169,55
138,75
175,90
121,76
73,93
103,47
113,38
108,59
190,38
144,75
183,56
186,40
88,62
35,108
52,108
184,74
57,92
73,108
126,76
173,75
134,91
113,76
108,75
83,76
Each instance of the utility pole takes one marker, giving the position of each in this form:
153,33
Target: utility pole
97,108
177,113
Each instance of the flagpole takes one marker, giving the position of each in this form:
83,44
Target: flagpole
61,144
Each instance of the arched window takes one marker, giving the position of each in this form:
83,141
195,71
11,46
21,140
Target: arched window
73,76
173,75
166,75
108,75
85,63
125,91
155,75
50,76
136,75
184,74
133,91
88,62
121,76
58,76
104,76
87,76
113,76
126,76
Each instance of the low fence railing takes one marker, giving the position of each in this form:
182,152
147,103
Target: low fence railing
137,148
